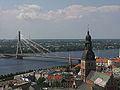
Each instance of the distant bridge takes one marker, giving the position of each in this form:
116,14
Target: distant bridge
37,55
36,49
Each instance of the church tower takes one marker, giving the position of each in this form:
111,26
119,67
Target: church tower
88,61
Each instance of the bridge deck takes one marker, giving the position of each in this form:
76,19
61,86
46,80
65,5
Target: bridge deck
36,55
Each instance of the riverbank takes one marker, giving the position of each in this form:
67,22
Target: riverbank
10,76
35,63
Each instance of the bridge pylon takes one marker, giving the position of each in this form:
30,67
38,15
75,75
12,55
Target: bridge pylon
19,48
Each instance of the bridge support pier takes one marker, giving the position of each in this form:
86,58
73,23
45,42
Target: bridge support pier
19,57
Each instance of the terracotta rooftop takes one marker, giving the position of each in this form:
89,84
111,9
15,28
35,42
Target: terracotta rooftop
78,65
116,59
55,77
104,60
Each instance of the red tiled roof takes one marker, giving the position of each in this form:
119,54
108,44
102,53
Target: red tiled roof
116,59
54,77
78,65
104,60
109,73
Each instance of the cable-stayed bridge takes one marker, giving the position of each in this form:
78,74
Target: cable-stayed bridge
29,48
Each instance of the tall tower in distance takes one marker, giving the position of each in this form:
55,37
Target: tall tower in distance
88,61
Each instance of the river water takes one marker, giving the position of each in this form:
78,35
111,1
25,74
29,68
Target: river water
13,65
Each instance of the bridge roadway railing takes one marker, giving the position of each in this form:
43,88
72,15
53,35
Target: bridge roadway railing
37,55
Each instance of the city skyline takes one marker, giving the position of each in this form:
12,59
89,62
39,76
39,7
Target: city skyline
60,19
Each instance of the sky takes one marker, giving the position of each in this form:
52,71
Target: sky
60,19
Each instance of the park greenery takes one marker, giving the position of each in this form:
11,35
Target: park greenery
9,46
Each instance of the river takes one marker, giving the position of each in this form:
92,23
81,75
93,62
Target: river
13,65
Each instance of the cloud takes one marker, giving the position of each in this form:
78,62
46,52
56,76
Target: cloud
110,8
29,12
70,12
35,12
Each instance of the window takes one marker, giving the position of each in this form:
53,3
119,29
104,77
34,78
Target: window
83,70
88,64
91,64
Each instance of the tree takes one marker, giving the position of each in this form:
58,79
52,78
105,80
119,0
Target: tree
77,69
40,81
